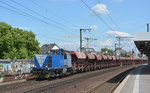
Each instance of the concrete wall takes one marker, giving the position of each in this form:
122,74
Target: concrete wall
12,67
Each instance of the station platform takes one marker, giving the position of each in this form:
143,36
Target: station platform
138,81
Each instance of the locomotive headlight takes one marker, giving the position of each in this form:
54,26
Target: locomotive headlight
46,66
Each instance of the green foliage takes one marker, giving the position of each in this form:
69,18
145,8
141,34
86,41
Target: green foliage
107,51
17,43
124,55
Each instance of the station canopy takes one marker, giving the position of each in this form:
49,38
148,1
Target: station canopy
142,42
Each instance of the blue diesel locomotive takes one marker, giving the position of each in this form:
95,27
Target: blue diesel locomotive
56,63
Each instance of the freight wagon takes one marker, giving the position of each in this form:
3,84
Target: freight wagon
61,62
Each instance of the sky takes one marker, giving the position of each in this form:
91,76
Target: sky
59,21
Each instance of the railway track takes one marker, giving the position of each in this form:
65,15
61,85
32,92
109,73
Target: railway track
73,84
18,85
110,85
54,88
70,81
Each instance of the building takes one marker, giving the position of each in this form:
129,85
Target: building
48,47
124,53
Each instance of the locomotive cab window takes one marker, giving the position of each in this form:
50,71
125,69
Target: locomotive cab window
65,56
54,52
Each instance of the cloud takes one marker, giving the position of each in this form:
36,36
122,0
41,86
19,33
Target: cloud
106,43
42,42
117,33
100,9
126,43
97,45
94,27
73,46
110,43
72,36
117,0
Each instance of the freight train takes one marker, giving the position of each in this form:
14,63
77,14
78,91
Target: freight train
60,62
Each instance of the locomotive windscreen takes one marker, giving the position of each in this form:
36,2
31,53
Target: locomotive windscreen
40,58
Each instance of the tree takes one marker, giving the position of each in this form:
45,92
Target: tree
17,43
124,55
107,51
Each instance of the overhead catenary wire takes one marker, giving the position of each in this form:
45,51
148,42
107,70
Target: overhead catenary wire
37,34
30,16
52,13
92,34
61,41
137,27
41,15
19,13
55,14
109,15
97,16
47,37
24,13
